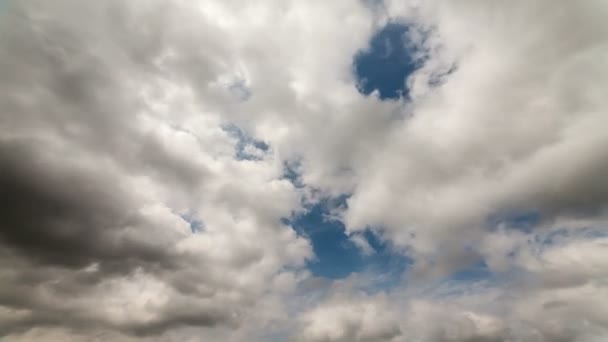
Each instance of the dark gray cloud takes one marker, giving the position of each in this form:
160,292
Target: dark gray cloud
67,232
69,218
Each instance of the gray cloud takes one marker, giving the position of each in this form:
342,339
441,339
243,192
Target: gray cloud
68,218
101,157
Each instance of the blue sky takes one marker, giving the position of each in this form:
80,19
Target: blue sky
336,255
385,65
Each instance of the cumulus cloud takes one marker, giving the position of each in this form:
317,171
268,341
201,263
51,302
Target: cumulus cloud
143,191
354,318
107,156
508,132
548,293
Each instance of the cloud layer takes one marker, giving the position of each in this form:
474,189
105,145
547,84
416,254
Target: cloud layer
143,186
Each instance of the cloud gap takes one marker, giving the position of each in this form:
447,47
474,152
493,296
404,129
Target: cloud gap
394,53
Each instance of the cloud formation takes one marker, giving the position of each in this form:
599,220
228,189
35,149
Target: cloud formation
143,190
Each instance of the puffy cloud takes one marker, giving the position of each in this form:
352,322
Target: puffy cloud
549,292
143,145
516,127
109,156
346,316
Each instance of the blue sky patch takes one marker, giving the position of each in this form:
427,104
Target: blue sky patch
557,236
196,224
474,272
240,89
247,147
336,255
524,221
390,58
291,173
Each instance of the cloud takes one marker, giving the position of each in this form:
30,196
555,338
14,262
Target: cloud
549,292
347,317
492,137
102,152
115,133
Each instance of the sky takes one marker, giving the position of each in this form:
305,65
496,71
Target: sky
304,171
